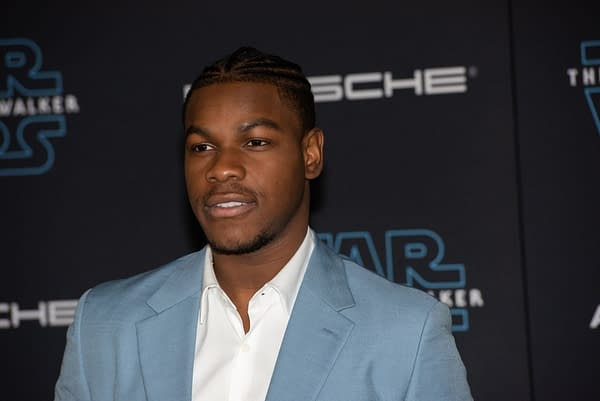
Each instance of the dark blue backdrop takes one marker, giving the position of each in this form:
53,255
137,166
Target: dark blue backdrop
460,135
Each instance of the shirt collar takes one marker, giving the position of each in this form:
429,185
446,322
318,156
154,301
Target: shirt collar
287,282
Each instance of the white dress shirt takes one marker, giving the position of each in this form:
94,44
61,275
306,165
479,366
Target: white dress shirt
229,364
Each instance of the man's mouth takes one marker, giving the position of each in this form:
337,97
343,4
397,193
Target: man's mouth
228,205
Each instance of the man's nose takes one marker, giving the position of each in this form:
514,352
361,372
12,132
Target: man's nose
227,164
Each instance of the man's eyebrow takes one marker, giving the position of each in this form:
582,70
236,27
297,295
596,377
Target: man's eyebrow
196,130
264,122
244,127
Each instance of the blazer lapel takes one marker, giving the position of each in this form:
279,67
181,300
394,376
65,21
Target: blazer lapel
316,331
166,341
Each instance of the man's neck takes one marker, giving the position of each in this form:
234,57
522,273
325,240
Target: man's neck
241,276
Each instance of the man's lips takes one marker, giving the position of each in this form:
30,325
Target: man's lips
228,205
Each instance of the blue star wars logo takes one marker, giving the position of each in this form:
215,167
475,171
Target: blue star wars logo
588,76
32,109
413,257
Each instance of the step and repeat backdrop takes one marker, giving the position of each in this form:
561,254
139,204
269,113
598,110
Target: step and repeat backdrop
462,158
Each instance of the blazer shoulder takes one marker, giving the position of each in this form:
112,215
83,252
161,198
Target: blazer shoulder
369,288
119,299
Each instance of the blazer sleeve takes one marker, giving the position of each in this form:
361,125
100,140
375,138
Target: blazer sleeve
438,373
71,384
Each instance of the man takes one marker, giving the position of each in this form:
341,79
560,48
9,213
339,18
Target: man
265,311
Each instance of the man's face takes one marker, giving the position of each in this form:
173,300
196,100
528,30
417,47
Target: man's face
247,164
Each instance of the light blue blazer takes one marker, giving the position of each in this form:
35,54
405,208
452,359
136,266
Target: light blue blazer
352,336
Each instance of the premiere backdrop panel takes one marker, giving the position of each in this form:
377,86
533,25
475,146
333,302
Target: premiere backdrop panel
462,147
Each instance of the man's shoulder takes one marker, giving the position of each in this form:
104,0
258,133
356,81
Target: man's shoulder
377,296
364,281
383,305
119,299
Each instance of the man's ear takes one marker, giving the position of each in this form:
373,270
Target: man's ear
312,144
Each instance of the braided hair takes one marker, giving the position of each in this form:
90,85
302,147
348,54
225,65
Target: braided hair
248,64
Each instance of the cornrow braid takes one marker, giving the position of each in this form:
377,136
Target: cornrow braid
248,64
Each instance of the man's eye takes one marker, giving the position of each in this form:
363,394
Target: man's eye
201,147
252,143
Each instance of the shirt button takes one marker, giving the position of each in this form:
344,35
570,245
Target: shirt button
245,347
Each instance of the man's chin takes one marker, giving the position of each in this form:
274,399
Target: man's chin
240,247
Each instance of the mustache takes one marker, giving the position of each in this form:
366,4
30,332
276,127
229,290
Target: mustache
232,187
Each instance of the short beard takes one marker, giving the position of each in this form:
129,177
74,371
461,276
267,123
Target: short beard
254,245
